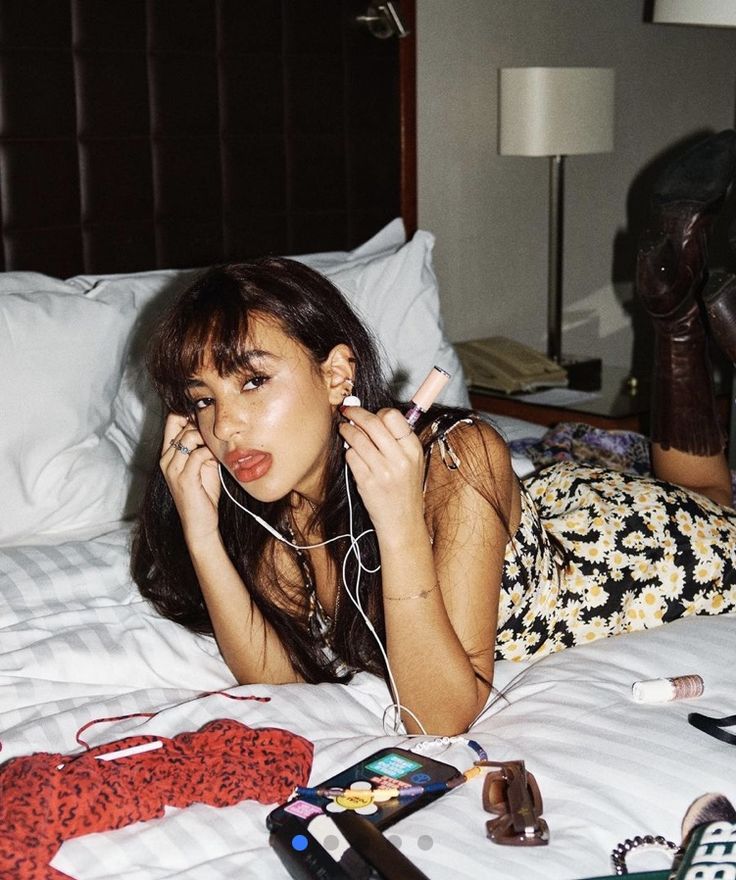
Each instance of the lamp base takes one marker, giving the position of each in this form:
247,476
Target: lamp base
583,374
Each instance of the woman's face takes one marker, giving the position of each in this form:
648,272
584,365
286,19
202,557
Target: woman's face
272,425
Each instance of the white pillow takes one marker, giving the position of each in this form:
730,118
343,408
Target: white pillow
386,241
61,357
29,282
137,416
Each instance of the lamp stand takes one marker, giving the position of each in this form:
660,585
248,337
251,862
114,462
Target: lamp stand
583,374
554,268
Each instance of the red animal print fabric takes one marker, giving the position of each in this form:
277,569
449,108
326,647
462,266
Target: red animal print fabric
47,798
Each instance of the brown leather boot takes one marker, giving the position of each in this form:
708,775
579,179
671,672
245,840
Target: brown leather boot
683,410
671,272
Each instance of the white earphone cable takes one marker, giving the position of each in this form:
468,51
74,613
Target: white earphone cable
353,549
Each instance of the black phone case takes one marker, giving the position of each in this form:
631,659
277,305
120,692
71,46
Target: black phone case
303,854
427,770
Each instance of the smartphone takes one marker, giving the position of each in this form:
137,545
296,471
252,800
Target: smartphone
304,836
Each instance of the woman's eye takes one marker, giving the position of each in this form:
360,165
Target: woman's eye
254,382
202,403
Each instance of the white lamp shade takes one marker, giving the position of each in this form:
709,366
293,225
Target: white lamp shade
719,13
555,111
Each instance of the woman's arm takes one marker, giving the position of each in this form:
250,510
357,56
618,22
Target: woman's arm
440,595
249,645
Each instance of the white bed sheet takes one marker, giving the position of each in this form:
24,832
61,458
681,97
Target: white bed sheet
77,643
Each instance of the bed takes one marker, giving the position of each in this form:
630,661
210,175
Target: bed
82,282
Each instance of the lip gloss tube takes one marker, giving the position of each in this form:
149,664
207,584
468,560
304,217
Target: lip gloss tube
427,393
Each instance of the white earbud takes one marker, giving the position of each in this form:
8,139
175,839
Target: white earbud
350,400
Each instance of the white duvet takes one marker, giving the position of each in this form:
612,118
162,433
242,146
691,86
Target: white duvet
77,643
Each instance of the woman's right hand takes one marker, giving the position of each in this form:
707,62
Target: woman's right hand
193,478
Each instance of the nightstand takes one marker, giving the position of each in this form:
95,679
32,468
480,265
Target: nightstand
617,405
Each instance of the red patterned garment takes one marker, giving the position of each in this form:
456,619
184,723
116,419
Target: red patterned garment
47,798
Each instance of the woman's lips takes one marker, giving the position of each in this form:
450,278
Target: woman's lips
248,466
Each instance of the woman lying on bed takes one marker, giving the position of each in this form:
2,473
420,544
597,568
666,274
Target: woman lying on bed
428,533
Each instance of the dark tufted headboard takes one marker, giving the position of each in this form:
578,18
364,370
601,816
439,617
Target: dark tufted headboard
141,134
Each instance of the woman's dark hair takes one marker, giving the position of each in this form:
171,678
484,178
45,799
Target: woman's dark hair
210,320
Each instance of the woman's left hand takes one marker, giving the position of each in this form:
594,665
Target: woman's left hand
387,462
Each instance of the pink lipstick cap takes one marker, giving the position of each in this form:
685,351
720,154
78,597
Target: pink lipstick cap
431,387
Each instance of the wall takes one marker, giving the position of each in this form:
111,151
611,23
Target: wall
489,212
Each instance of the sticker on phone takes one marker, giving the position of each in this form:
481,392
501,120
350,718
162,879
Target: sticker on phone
392,765
303,809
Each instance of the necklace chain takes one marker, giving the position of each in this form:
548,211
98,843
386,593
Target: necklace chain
315,606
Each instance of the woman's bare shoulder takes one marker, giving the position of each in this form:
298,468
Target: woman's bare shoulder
464,455
471,491
472,439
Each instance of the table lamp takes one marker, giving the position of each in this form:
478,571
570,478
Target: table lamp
557,112
717,13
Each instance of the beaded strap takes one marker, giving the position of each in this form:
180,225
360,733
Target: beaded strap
377,794
619,853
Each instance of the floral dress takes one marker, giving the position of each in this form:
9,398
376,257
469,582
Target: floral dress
600,552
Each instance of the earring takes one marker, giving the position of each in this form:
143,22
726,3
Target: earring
348,398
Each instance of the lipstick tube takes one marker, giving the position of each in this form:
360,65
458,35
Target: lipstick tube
426,394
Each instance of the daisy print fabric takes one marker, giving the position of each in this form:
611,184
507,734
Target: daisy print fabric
599,552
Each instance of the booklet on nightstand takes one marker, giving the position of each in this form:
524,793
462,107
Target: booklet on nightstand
504,365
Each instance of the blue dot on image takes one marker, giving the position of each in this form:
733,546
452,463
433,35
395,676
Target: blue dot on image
299,842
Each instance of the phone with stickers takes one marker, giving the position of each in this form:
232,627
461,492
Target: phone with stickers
309,842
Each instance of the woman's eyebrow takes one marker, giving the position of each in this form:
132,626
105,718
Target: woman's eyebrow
255,353
248,358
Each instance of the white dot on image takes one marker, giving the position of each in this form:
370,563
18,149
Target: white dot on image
425,842
396,840
331,842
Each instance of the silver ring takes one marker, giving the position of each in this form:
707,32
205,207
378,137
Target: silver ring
180,447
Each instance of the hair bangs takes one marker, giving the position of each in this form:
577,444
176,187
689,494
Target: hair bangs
218,340
211,329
